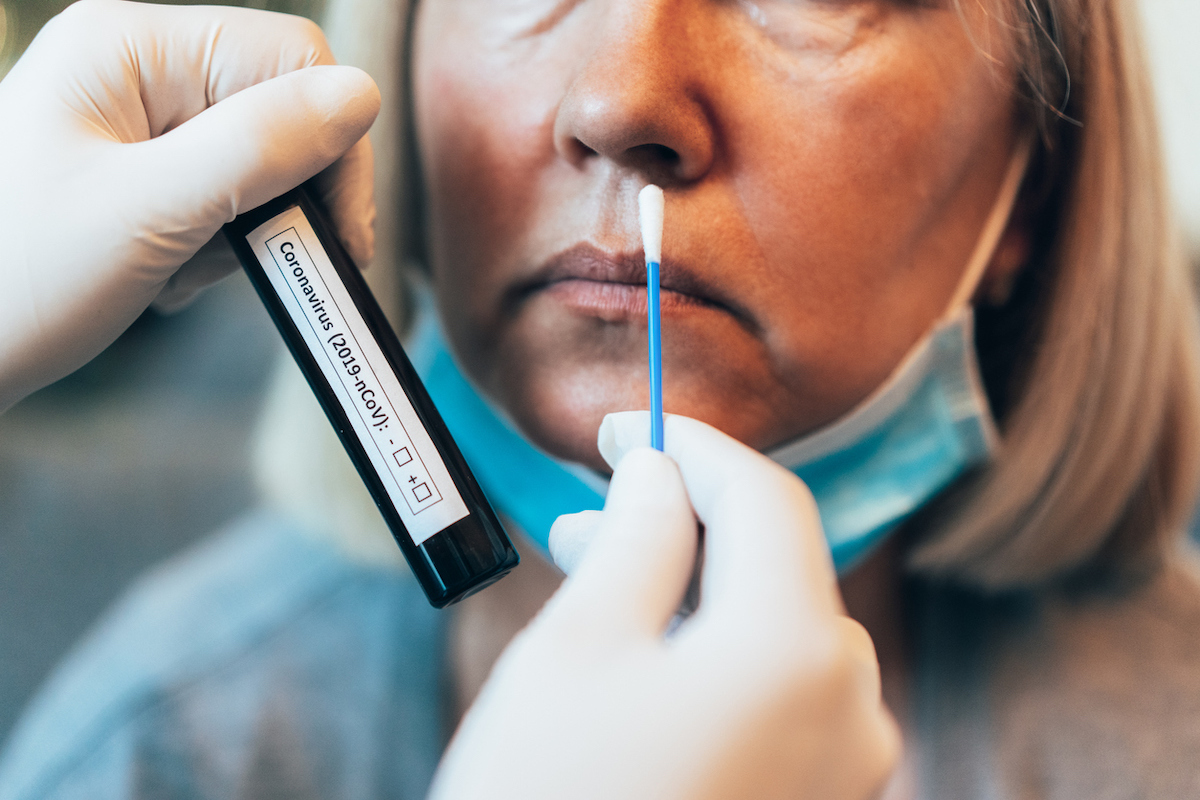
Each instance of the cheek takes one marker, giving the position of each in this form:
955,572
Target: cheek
482,147
868,162
470,161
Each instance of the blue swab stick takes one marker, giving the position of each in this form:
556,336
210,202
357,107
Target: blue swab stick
650,210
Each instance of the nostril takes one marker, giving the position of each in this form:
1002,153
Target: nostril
577,152
658,153
656,161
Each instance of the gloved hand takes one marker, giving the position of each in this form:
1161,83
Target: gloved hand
767,691
129,134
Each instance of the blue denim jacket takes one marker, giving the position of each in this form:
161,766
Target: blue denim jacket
259,664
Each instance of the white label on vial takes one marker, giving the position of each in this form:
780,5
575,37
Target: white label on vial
383,419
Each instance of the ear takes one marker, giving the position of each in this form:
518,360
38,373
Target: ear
1012,252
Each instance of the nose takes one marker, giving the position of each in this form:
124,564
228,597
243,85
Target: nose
637,99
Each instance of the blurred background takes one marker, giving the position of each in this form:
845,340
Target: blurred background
145,449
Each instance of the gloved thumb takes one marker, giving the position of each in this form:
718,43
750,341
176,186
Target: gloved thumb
634,574
570,537
236,155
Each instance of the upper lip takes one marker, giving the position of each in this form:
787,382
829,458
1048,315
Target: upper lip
587,262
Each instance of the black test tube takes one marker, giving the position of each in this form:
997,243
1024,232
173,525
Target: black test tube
373,397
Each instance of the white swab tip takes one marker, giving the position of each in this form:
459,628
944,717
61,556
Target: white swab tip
650,210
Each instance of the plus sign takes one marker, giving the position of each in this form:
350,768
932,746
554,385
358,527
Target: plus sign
413,479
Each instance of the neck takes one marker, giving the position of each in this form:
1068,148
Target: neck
873,596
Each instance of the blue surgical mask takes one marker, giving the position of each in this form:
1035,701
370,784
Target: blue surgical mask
927,425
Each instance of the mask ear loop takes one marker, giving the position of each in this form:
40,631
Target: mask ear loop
996,222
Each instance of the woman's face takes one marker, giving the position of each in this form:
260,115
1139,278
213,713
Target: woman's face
828,165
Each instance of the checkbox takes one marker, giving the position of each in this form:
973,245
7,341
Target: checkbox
402,456
422,492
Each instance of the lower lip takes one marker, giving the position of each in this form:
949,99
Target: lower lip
616,302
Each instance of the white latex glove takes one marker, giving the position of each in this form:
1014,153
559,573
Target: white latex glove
767,691
129,134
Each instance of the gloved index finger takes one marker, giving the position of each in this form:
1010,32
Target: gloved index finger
764,546
177,60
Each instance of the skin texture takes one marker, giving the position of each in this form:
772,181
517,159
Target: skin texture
827,165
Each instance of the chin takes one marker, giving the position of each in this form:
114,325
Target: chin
563,417
562,413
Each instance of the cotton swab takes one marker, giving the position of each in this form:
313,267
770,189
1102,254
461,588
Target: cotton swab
650,210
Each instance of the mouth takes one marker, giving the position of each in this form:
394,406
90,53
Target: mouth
612,287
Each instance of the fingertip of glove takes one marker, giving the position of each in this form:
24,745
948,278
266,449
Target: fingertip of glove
352,87
366,90
645,478
620,432
337,101
570,536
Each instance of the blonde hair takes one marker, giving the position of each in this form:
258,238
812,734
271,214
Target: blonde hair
1091,364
